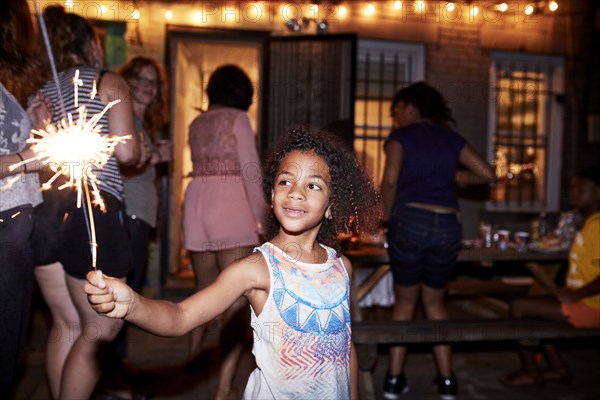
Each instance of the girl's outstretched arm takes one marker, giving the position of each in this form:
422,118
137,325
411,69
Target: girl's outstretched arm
113,298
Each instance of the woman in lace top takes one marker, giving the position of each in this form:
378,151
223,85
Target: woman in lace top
224,207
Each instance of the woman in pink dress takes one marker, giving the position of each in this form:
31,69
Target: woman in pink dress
224,208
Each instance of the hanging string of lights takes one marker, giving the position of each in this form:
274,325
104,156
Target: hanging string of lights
302,17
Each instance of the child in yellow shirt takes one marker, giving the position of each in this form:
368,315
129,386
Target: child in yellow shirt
579,301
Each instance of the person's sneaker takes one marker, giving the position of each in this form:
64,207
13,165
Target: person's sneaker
394,386
447,387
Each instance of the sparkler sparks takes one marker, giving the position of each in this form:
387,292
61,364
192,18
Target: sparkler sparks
75,150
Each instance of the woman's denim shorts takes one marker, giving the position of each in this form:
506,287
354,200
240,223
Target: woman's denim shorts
423,246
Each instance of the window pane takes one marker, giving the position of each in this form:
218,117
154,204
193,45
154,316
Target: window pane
382,68
519,140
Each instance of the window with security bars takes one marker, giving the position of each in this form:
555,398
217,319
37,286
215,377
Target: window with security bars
382,68
525,131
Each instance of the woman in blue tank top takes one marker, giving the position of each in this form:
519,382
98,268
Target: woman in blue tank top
422,215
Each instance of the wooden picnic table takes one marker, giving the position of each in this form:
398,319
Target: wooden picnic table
542,264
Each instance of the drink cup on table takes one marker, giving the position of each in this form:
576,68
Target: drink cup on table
522,241
485,233
503,239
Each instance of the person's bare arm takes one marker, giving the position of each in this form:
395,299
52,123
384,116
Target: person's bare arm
394,155
120,117
39,112
113,298
566,295
478,170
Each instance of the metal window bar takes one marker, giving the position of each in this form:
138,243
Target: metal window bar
380,75
521,129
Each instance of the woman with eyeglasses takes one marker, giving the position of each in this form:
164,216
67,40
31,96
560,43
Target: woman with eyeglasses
146,80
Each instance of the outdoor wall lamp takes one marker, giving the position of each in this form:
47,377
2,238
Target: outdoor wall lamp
293,25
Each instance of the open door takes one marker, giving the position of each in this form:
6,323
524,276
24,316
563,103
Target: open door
194,53
300,79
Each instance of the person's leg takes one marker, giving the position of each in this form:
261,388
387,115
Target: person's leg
542,307
82,368
16,284
434,305
557,370
235,323
139,235
65,321
404,310
206,270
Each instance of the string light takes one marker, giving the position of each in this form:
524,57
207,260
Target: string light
529,9
370,9
502,7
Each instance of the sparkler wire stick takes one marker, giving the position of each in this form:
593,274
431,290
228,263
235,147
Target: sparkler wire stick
50,56
89,222
88,216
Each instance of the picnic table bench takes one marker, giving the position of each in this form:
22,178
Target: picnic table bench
367,335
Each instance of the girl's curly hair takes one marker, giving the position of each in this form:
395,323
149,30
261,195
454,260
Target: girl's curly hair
353,197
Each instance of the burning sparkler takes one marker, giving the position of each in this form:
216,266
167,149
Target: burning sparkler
75,150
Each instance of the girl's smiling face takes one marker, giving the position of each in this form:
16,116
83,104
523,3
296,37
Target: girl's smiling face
300,195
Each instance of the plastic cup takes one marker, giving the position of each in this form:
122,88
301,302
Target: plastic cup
503,238
522,241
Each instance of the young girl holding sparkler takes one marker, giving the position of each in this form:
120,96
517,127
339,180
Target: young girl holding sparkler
62,230
297,286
